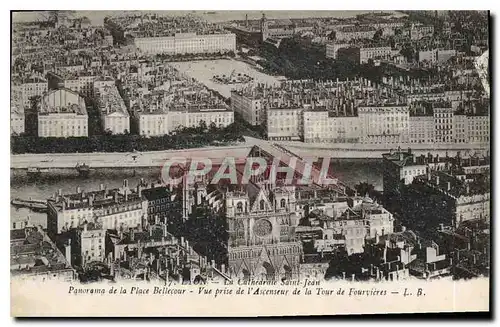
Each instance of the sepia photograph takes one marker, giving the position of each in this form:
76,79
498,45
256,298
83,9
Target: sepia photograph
249,163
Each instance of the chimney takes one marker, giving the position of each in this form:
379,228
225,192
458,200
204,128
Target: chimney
385,252
78,189
449,186
131,234
101,187
85,226
437,179
115,196
67,249
223,268
212,263
125,183
441,227
59,192
352,277
182,240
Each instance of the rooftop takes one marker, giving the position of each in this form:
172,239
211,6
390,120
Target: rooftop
33,252
110,101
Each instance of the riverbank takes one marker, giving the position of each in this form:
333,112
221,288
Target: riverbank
375,151
113,160
131,161
349,171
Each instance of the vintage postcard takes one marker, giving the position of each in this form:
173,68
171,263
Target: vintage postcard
249,163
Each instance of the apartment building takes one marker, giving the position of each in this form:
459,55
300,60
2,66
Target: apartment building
116,209
35,86
443,120
332,49
79,81
478,129
362,55
112,110
62,113
384,124
285,124
422,129
322,126
92,244
249,107
355,33
17,117
184,43
33,256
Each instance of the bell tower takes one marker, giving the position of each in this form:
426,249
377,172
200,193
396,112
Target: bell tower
264,27
261,239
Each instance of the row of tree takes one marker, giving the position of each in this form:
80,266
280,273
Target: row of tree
297,60
182,138
193,56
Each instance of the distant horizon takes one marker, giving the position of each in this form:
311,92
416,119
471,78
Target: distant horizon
97,16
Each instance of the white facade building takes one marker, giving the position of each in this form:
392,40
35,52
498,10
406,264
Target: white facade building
249,108
183,43
192,117
62,113
92,245
443,120
333,48
422,129
355,33
158,122
34,86
479,129
461,128
367,53
320,127
418,32
384,124
285,124
83,85
17,121
114,115
153,123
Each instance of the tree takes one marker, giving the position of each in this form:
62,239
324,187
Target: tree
202,127
364,188
212,127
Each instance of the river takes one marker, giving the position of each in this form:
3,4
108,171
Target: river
349,171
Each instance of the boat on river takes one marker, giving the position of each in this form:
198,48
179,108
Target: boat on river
33,204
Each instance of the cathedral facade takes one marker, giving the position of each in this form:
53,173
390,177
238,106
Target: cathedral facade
262,243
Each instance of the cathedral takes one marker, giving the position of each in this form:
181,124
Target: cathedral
262,243
261,220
